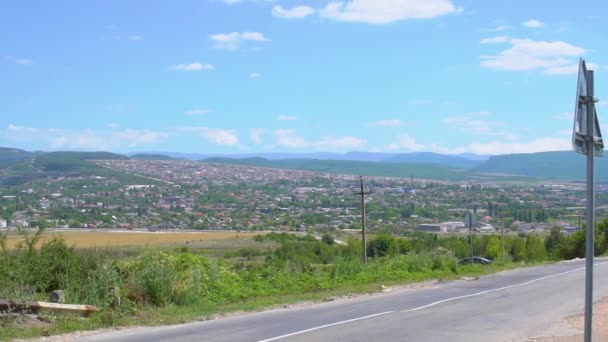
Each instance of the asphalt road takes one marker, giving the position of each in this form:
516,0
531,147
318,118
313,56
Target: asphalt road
510,306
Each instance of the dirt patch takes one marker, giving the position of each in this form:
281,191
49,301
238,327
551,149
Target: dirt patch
572,328
24,321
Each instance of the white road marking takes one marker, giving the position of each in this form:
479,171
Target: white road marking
324,326
426,306
498,289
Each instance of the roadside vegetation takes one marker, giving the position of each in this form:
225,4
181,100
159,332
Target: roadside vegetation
170,285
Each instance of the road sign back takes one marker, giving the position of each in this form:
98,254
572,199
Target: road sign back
470,220
585,105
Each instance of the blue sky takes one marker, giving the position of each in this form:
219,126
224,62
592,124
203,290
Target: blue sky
228,76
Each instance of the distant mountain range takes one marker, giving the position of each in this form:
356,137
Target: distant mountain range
20,165
467,160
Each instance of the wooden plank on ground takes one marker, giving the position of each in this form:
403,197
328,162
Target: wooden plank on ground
34,306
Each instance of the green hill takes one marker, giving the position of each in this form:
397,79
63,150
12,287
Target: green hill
561,165
434,158
8,155
72,161
42,165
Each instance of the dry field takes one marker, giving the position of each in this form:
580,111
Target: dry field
88,239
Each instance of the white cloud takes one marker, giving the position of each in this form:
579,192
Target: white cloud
287,118
216,136
499,28
255,75
342,143
19,60
135,37
536,145
495,40
137,137
528,54
86,139
293,13
569,69
233,40
386,11
533,23
288,138
388,123
23,129
256,135
194,112
195,66
476,123
566,116
406,142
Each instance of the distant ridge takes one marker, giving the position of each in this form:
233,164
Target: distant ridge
152,156
434,158
560,165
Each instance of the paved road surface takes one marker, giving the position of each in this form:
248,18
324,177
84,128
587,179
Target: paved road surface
510,306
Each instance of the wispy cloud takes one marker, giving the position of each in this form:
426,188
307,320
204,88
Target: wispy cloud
533,23
498,28
194,66
225,137
286,118
256,135
234,40
288,138
194,112
494,40
478,123
255,75
419,102
388,123
407,143
386,11
19,60
292,13
566,116
556,57
84,139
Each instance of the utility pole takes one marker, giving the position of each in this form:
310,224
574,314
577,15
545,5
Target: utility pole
502,232
362,193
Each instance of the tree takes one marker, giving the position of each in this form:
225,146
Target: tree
382,245
535,249
327,238
553,239
518,249
493,248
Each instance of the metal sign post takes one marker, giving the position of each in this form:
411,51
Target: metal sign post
470,221
587,139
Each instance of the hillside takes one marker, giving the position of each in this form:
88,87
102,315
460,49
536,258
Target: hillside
434,158
8,155
561,165
61,164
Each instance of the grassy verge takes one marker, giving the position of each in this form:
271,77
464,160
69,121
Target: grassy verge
175,314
